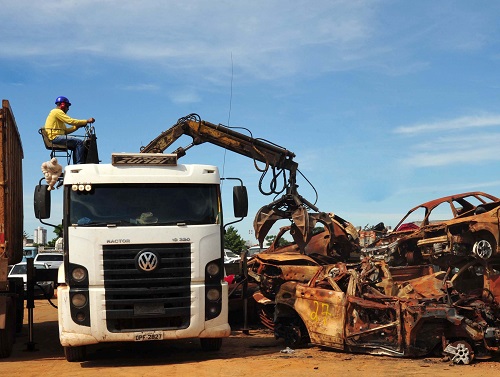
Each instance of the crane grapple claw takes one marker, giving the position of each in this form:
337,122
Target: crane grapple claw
264,220
302,221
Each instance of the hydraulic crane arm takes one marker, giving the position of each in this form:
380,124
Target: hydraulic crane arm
202,131
290,206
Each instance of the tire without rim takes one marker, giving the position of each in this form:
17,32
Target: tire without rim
73,354
211,344
296,335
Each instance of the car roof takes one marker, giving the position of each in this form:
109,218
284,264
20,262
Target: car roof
430,205
434,203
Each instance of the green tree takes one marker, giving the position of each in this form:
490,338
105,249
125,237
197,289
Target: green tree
281,242
233,241
318,229
285,242
58,231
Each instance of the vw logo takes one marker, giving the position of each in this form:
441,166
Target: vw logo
147,261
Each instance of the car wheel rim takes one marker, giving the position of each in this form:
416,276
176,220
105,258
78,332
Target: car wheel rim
460,352
483,249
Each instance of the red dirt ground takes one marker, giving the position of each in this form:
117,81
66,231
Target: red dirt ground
256,354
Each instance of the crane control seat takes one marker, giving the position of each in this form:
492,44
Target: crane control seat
56,150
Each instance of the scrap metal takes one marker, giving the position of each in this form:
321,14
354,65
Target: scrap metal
403,311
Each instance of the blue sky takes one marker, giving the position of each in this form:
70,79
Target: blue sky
386,104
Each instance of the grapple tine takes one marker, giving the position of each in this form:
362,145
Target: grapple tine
301,219
264,220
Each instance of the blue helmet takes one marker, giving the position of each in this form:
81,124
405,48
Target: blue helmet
61,99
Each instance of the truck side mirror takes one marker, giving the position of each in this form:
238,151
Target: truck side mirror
240,201
42,202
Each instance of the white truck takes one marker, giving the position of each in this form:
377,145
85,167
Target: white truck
143,252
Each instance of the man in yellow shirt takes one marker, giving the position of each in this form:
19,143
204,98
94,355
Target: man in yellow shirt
57,132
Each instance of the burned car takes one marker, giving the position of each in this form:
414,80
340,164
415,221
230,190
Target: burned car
278,264
396,311
443,231
272,267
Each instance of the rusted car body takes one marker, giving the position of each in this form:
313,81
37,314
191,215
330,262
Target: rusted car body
397,311
443,231
278,264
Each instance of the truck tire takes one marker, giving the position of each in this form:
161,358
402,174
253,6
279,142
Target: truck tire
7,335
74,354
211,344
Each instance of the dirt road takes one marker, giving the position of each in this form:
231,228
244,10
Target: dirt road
256,354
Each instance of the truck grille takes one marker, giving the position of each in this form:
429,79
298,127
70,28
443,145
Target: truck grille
138,300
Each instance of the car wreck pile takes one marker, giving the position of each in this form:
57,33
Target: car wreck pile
430,287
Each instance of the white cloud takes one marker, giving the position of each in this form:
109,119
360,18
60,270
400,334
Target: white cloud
467,139
269,40
142,87
469,156
184,96
460,149
465,122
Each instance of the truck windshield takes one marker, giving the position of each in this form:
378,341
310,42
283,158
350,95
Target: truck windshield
144,205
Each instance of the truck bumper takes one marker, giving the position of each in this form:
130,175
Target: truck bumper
72,334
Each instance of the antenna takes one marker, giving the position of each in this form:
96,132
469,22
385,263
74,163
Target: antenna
230,105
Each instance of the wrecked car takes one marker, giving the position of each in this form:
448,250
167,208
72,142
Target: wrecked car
406,311
442,231
276,265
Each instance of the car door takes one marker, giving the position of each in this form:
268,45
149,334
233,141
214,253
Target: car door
372,324
323,312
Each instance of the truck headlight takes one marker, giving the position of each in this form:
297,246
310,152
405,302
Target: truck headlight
79,300
213,269
213,294
79,274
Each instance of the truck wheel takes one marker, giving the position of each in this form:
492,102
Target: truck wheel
7,335
211,344
73,354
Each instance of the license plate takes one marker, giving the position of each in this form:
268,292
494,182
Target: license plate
148,335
